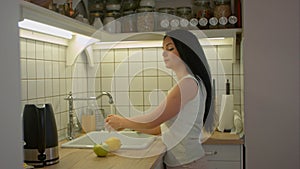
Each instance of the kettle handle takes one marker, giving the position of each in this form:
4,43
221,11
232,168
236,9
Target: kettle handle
41,128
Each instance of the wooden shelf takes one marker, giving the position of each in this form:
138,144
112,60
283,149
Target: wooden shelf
46,16
84,35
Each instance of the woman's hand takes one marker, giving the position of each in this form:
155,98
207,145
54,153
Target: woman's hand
115,122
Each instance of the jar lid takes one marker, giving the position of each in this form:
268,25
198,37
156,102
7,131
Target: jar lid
145,9
166,10
147,3
113,1
112,13
184,9
97,13
222,1
128,12
201,2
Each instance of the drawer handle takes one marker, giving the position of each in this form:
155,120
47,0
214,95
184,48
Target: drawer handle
211,153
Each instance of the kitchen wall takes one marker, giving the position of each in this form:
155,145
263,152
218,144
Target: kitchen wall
45,77
136,77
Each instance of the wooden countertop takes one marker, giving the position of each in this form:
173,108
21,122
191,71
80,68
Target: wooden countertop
224,138
72,158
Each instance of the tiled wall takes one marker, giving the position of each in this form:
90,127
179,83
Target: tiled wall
45,77
136,77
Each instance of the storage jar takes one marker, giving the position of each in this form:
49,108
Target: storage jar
130,5
110,22
96,5
145,19
164,17
113,5
129,21
222,8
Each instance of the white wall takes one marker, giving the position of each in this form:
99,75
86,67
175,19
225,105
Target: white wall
10,124
271,65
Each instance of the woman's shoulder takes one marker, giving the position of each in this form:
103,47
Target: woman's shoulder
189,82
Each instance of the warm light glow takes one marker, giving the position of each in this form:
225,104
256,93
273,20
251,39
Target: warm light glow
43,28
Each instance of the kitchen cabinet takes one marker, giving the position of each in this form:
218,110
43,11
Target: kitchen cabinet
83,35
224,156
224,151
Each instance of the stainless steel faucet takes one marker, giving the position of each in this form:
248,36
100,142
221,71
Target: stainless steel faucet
71,99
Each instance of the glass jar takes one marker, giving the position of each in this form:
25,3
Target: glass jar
129,21
164,18
222,8
95,5
145,19
113,5
213,23
184,12
130,5
149,3
203,9
110,22
97,22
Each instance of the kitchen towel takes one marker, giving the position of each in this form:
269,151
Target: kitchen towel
226,113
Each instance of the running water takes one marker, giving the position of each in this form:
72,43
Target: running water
112,109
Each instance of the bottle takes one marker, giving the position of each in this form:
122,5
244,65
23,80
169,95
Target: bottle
227,87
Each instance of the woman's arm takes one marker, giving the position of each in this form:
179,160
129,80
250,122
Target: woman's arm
170,107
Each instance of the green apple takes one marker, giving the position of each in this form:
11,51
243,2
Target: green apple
100,150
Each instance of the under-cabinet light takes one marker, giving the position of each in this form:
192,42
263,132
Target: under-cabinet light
43,28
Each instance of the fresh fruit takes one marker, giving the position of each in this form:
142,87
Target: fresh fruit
113,143
100,150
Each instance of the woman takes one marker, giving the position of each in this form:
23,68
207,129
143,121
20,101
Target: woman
180,117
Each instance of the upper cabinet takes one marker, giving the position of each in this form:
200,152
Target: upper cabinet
83,35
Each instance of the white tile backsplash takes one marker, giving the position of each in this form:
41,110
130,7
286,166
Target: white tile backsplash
48,69
225,52
30,49
135,55
39,50
40,69
150,54
48,51
31,69
32,89
55,53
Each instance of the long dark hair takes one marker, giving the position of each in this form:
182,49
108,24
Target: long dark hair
196,65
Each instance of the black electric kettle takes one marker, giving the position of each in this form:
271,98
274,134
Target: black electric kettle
40,135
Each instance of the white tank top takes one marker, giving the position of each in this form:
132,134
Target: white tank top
181,134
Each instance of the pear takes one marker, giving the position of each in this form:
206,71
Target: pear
100,150
113,143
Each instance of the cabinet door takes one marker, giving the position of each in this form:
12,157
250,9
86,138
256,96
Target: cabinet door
223,152
223,165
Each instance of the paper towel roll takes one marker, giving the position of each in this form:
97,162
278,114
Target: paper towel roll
226,113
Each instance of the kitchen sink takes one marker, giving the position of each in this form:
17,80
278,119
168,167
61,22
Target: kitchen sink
129,139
